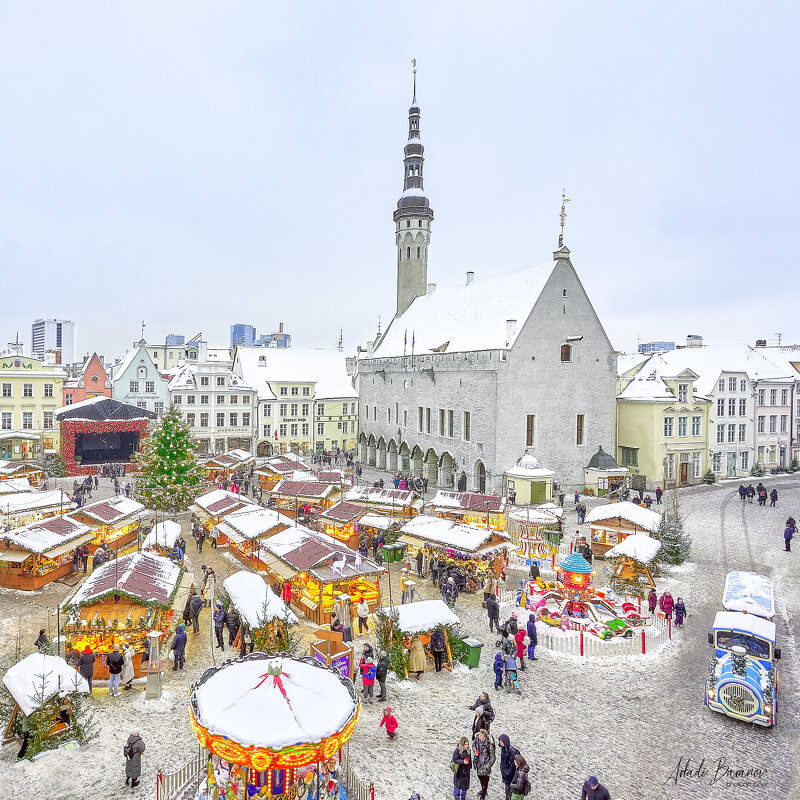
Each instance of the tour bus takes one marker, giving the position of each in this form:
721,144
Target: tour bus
743,680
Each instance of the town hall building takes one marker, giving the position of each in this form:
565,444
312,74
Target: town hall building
465,380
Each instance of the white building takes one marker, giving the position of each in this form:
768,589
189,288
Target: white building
787,358
218,405
136,380
53,335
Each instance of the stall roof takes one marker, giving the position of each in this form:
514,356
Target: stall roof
283,465
750,592
11,467
253,521
374,495
164,534
467,501
639,547
219,501
21,502
289,488
49,534
422,616
750,623
330,475
14,485
255,601
343,512
111,511
378,521
37,678
440,531
636,515
146,576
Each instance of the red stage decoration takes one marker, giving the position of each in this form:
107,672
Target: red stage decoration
71,427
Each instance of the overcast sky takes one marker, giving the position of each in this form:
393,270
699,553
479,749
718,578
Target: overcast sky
198,164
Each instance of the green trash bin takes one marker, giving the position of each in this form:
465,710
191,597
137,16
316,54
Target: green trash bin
390,553
473,656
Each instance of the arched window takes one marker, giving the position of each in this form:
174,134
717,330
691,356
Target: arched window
418,252
408,252
566,352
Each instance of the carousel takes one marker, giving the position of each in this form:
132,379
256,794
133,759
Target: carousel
312,712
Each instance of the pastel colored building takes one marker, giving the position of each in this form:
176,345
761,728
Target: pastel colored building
92,381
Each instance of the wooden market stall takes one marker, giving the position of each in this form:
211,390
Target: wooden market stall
279,467
294,497
40,553
14,486
634,555
22,508
121,601
611,523
212,507
163,537
603,475
10,470
245,529
115,521
223,465
342,522
319,569
395,502
480,510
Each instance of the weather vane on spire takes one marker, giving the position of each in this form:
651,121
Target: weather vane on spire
414,65
563,216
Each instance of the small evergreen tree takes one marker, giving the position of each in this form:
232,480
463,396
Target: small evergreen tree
675,544
276,636
709,477
757,471
794,466
169,478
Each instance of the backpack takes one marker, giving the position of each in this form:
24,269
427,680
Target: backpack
127,751
526,787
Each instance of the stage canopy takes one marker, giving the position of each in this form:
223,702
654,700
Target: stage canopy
102,409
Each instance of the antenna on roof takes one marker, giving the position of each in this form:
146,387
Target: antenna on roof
379,326
143,327
414,71
780,336
563,216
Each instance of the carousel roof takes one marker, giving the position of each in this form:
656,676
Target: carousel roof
27,677
256,603
576,563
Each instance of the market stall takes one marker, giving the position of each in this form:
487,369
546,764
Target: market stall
475,551
223,465
123,600
115,522
15,470
23,508
342,522
312,710
603,475
14,486
634,558
480,510
319,570
279,467
611,523
395,502
244,530
299,497
210,508
162,537
40,553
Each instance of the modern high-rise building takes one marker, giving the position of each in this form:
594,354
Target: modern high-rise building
175,339
242,333
53,334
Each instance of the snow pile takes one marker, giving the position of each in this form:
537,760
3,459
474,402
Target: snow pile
240,696
638,516
14,485
750,592
249,593
35,679
165,534
639,547
422,616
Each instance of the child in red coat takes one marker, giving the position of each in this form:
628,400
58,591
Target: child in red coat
389,721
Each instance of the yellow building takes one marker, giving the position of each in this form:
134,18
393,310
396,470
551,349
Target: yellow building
662,425
30,392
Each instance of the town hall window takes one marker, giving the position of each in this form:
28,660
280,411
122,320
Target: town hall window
408,252
566,352
418,252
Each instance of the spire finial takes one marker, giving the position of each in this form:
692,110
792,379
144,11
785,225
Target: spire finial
379,326
563,216
414,71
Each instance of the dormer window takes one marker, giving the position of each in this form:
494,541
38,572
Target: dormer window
683,393
566,353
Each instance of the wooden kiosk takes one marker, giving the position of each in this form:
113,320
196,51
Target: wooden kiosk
22,508
245,529
212,507
478,510
611,524
115,522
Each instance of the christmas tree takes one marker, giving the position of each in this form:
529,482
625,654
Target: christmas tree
675,544
169,477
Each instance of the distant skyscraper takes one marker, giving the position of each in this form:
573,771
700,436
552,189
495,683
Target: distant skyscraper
53,334
647,348
242,334
175,340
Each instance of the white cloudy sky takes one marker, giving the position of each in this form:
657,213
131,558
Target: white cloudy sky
196,164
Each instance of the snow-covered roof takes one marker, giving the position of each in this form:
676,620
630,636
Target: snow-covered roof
468,501
326,369
343,512
240,455
146,575
641,517
92,401
290,488
37,678
423,616
378,521
15,485
185,377
374,495
627,361
464,318
111,511
639,547
219,501
61,532
164,534
528,466
22,502
750,592
249,592
10,467
451,534
240,695
253,521
749,623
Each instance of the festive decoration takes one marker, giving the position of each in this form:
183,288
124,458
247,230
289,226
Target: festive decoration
739,660
71,427
169,478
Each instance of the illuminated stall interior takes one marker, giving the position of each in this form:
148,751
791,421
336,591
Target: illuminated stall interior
342,522
22,508
14,470
223,465
277,468
611,523
212,507
115,522
243,530
471,509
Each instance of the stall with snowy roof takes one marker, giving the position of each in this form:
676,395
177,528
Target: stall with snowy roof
21,470
302,498
163,537
476,551
222,465
277,468
313,711
211,508
36,682
319,569
603,475
469,508
396,502
264,613
40,553
244,530
14,486
23,508
634,557
529,480
121,601
611,523
342,521
115,522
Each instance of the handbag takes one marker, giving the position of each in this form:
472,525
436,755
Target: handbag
454,766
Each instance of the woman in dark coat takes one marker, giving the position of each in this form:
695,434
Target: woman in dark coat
484,713
520,777
652,601
484,760
507,766
680,611
86,665
666,604
133,763
462,758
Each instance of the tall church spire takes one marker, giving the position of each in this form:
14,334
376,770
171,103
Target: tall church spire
413,215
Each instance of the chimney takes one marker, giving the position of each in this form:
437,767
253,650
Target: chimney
470,277
431,288
280,327
511,326
692,340
370,348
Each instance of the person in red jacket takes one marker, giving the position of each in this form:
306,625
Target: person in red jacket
286,592
519,636
389,721
666,604
368,670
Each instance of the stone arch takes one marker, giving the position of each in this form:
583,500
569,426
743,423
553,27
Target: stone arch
371,454
431,467
392,454
264,449
362,448
416,461
381,454
405,457
479,477
446,470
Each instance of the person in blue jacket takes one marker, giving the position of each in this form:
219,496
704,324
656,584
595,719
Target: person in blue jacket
498,670
179,647
219,624
534,639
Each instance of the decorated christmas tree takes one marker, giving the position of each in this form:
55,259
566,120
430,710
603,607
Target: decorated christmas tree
675,544
169,477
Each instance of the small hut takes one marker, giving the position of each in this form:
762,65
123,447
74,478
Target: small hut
278,468
529,481
603,475
163,537
115,522
16,470
342,522
479,510
23,508
634,557
396,502
210,508
611,523
245,529
298,497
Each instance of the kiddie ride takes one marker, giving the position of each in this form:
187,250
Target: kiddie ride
572,602
743,677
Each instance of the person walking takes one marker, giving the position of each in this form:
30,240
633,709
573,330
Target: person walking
489,586
381,670
133,758
416,657
773,498
594,790
499,663
286,593
128,672
115,661
666,604
680,612
520,785
483,745
493,612
86,665
751,493
438,648
484,713
520,638
179,647
450,592
362,609
209,586
219,624
214,537
652,601
507,766
787,539
195,607
42,641
201,537
659,495
742,492
533,639
462,763
388,720
421,561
